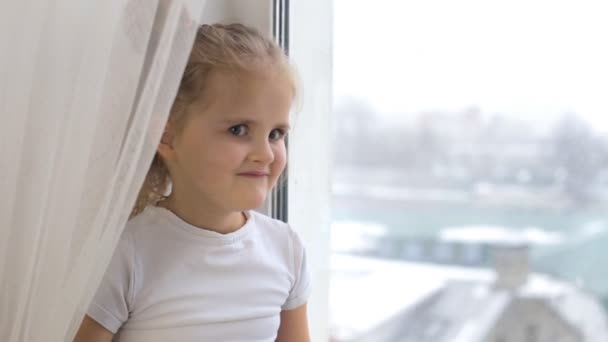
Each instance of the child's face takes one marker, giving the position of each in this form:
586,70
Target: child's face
232,150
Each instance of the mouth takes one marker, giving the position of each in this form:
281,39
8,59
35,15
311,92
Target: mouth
254,174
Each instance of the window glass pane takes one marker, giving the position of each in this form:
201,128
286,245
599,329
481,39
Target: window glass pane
470,180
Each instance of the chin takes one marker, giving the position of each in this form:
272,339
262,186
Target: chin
253,201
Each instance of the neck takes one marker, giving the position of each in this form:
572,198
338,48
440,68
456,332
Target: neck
208,218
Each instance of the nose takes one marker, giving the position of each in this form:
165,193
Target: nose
262,151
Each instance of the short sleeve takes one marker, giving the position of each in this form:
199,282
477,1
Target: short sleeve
110,306
301,288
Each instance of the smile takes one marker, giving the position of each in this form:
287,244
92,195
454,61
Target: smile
254,174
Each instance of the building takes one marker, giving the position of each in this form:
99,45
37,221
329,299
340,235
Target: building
422,302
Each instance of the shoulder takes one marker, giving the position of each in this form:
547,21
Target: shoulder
287,251
131,238
147,225
144,219
146,234
279,237
275,229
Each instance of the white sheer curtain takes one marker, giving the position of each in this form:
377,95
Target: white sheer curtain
85,88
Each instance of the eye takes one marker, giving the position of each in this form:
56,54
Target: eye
238,130
276,134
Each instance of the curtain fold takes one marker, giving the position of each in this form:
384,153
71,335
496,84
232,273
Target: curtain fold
85,92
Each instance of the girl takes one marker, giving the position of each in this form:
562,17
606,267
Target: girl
200,265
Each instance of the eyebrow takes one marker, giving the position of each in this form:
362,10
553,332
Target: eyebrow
283,126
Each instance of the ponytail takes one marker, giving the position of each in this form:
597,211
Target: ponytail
154,188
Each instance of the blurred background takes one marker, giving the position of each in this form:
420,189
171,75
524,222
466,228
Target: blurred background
470,177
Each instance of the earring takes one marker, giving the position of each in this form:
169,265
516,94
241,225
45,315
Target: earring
164,139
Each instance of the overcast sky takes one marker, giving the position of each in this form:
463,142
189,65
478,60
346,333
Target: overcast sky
517,57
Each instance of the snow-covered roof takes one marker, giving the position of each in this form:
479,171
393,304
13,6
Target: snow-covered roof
579,307
365,292
443,303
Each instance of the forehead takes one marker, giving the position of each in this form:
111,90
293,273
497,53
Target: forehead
233,92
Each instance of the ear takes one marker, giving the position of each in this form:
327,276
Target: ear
165,146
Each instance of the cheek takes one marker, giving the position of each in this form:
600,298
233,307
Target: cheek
223,157
280,159
205,165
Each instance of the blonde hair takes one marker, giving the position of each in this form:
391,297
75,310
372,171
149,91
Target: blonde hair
233,48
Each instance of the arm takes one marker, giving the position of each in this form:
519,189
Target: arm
294,325
91,331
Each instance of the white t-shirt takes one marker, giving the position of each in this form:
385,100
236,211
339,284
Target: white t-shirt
171,281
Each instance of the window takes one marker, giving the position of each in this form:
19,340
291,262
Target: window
470,161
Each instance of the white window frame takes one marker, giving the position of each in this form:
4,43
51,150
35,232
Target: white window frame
310,153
